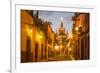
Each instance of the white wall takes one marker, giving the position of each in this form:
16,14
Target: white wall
5,36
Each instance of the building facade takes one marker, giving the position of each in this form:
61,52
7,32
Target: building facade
50,41
37,37
81,36
26,24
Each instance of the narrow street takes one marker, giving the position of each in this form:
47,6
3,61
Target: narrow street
54,36
61,58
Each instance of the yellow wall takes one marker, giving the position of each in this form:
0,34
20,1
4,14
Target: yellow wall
25,20
50,47
36,35
83,21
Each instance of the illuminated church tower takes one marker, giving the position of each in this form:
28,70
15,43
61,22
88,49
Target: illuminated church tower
62,37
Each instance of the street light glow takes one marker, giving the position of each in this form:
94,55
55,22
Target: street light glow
30,30
40,36
56,47
70,36
76,28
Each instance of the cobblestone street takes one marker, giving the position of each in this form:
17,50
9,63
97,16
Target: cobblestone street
61,58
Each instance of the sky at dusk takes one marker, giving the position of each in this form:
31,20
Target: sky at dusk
56,17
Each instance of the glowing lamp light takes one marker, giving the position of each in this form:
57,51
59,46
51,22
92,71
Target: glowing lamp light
30,30
56,47
76,28
40,36
70,36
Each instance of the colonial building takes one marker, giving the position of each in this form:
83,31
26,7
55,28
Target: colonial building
47,51
81,36
37,38
50,41
31,37
26,32
61,39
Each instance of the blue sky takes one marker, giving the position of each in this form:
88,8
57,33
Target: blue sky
55,18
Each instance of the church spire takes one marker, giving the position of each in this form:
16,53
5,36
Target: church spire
56,31
62,22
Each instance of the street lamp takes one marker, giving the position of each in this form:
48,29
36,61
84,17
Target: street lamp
56,47
30,30
39,36
76,28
